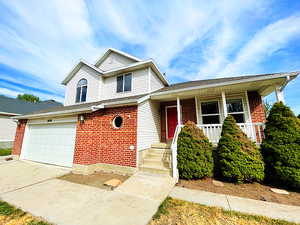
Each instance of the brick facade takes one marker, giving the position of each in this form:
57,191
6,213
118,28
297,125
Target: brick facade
19,137
256,107
188,113
97,141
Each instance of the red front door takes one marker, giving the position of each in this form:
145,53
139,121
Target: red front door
171,121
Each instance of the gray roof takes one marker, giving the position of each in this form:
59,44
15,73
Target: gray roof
16,106
217,81
84,106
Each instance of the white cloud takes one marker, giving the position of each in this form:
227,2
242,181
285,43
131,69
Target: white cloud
264,43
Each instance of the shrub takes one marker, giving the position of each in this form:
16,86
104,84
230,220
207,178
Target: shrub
194,153
281,146
237,158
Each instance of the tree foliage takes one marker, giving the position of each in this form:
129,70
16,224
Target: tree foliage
238,159
281,146
194,153
28,98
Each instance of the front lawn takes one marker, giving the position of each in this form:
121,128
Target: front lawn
174,212
10,215
5,151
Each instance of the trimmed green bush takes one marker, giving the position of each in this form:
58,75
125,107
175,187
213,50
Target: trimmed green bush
194,153
237,158
281,146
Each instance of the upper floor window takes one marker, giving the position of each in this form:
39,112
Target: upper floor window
124,82
81,90
236,109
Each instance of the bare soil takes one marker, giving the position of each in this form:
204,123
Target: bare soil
96,179
254,191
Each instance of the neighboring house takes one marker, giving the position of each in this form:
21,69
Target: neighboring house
10,107
119,108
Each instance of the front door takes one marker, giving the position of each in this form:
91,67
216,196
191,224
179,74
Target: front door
171,121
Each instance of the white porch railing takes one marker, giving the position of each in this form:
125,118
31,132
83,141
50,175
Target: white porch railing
255,131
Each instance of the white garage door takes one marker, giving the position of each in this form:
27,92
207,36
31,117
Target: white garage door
50,143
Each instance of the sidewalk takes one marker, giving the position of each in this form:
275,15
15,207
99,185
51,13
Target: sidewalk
228,202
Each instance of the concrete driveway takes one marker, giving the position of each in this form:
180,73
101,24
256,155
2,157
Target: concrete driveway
65,203
19,174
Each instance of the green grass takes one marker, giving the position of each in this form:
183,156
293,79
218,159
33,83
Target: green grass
5,151
12,215
174,211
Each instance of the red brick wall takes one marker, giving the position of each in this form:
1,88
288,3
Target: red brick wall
256,107
19,137
188,113
97,141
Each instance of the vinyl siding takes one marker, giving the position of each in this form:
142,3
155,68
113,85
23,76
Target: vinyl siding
94,86
148,131
156,83
8,128
139,85
114,61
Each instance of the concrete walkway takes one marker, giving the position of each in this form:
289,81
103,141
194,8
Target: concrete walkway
228,202
65,203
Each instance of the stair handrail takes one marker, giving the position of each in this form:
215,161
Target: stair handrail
175,173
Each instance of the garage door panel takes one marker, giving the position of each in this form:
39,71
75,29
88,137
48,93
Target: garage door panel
51,143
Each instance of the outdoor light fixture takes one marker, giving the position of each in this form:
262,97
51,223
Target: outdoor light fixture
81,118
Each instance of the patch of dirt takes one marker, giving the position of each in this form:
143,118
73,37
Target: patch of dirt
254,191
96,179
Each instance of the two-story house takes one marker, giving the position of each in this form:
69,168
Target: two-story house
122,115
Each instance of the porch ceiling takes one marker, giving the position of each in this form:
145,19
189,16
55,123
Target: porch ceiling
263,87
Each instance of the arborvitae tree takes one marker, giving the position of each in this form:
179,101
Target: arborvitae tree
281,146
238,159
194,153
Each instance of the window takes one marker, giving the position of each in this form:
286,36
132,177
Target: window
235,108
81,90
118,121
124,82
210,112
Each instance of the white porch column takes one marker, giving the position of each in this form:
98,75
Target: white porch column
197,111
178,112
224,104
279,94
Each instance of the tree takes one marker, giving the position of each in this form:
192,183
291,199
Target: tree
238,159
267,107
299,116
281,146
28,98
194,153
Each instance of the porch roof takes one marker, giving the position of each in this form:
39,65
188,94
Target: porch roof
264,84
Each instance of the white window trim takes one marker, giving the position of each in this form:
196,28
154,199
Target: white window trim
80,95
214,114
243,104
123,75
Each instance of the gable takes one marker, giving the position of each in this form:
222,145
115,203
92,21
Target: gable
114,60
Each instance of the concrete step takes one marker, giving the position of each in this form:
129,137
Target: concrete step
161,145
155,162
161,157
155,170
162,151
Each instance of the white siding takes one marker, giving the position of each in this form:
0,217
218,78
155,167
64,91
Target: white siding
94,85
114,61
139,85
148,127
156,83
7,128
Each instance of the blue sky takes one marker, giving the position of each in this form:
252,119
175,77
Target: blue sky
40,43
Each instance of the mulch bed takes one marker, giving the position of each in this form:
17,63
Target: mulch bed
96,179
254,191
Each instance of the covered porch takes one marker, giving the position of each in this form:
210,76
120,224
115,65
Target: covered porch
209,106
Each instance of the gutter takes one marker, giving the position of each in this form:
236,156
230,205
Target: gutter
294,74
